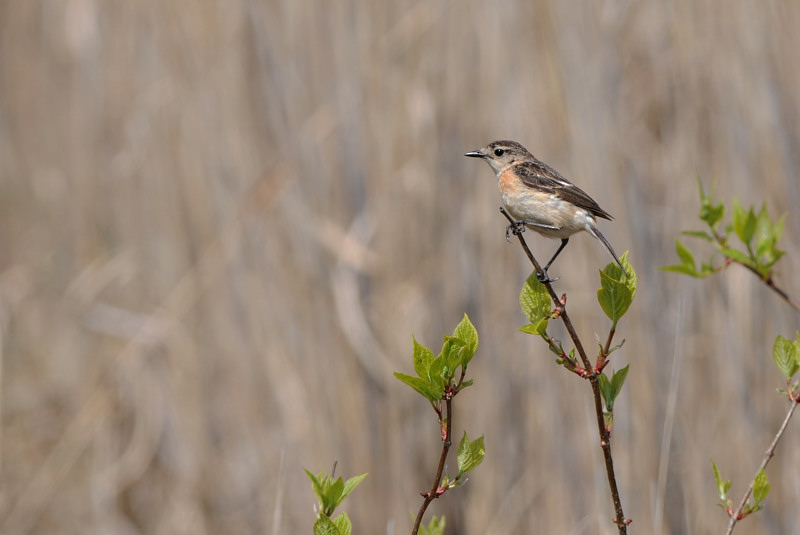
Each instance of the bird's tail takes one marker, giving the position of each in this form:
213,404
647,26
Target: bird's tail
602,239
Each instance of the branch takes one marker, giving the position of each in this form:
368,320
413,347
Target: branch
736,515
436,490
591,374
771,285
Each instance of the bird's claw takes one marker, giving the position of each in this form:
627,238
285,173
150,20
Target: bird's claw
516,228
544,278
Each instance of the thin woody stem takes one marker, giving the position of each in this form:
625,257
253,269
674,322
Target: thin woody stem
722,240
771,285
605,437
736,515
446,443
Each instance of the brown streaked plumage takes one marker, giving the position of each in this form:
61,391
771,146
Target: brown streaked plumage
539,198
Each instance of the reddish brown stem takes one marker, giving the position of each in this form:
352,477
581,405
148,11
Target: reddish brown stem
446,443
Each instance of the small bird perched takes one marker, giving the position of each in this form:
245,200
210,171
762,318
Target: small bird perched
536,196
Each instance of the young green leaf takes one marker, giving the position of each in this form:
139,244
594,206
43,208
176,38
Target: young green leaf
422,359
610,388
467,332
685,270
687,265
617,380
470,454
451,356
698,234
434,527
709,212
535,300
425,388
605,389
343,524
685,255
765,232
722,486
786,354
744,222
333,496
614,296
530,328
350,484
325,526
316,484
760,488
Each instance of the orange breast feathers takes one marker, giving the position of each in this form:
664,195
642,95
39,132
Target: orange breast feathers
556,217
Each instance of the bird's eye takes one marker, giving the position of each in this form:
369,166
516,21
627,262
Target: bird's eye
499,152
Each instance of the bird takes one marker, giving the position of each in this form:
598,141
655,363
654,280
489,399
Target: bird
539,198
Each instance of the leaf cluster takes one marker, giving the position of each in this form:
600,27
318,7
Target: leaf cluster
330,493
436,374
757,234
760,491
615,296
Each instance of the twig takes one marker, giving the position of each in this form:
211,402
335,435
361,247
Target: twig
771,285
436,490
736,515
768,281
605,436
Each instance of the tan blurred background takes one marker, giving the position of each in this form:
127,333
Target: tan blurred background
222,221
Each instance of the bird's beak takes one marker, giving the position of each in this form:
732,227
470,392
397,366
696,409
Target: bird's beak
476,154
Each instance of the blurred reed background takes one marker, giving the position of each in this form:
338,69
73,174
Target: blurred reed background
222,221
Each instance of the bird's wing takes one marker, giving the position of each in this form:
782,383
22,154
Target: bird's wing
540,176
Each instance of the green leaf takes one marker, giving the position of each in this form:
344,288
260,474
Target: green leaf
530,329
737,256
325,526
786,354
350,484
617,381
610,389
466,332
744,222
424,387
605,389
614,296
760,487
535,300
316,484
343,524
698,234
333,497
470,454
764,233
709,212
434,527
451,356
687,265
437,381
685,270
722,486
771,256
422,359
685,255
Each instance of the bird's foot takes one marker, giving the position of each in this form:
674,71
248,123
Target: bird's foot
516,228
544,278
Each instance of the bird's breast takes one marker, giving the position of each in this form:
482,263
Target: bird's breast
553,216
